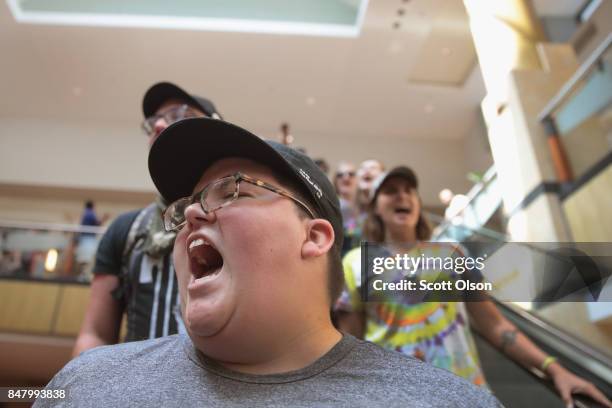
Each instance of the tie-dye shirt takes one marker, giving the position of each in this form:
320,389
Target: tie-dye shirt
435,332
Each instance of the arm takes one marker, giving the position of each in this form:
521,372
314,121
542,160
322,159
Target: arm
490,323
103,316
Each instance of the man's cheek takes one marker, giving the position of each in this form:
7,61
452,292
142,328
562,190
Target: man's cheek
179,257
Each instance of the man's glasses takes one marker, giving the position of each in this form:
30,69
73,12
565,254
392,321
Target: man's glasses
170,116
349,174
219,194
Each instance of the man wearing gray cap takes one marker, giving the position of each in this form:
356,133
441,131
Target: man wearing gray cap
257,257
133,272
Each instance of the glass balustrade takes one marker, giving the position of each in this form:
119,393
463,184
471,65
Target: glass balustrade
47,251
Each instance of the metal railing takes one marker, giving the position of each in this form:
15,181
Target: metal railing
479,214
47,251
589,64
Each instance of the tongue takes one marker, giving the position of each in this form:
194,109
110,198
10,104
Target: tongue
207,258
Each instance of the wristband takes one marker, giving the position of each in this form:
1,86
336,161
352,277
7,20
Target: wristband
547,362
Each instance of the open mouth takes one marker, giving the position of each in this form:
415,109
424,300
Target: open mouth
403,210
205,260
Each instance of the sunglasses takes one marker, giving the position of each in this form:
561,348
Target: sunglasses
342,174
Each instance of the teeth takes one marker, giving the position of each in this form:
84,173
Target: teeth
196,242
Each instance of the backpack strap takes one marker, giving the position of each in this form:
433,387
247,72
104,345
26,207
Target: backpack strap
135,236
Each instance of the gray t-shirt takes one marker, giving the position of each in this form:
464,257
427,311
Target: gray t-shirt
171,372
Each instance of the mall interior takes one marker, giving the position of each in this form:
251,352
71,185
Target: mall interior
505,103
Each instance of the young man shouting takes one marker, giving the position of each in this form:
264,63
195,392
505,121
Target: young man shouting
258,268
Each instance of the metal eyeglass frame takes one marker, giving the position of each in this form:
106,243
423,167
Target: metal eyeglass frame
238,178
170,116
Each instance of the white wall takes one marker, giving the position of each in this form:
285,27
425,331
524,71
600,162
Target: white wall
477,151
87,155
438,163
73,154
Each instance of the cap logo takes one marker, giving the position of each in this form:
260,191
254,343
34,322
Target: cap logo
314,185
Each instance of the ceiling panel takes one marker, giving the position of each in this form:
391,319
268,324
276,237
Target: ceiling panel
321,85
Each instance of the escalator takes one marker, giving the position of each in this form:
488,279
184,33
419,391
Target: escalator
514,385
573,325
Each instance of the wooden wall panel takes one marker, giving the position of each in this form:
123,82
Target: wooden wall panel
27,307
71,310
588,210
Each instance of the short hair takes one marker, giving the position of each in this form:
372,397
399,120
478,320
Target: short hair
89,204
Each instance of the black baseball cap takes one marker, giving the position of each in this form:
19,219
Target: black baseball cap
180,155
401,171
164,91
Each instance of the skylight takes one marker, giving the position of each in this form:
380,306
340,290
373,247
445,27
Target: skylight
340,18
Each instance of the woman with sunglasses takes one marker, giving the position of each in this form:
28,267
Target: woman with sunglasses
435,332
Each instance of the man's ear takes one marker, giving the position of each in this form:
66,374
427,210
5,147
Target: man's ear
319,238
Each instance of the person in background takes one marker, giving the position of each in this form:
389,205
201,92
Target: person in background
345,183
367,172
435,332
356,212
133,272
87,242
89,216
323,165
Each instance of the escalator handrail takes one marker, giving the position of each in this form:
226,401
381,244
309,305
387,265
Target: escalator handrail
579,75
472,195
499,237
580,401
548,332
446,224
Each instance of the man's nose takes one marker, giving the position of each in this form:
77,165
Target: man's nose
159,126
195,215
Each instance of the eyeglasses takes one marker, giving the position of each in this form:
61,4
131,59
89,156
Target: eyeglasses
219,194
341,174
170,116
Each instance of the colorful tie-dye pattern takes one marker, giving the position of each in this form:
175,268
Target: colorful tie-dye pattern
435,332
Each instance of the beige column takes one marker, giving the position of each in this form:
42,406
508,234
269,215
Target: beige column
521,73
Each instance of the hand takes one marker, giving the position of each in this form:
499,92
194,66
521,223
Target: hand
567,384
